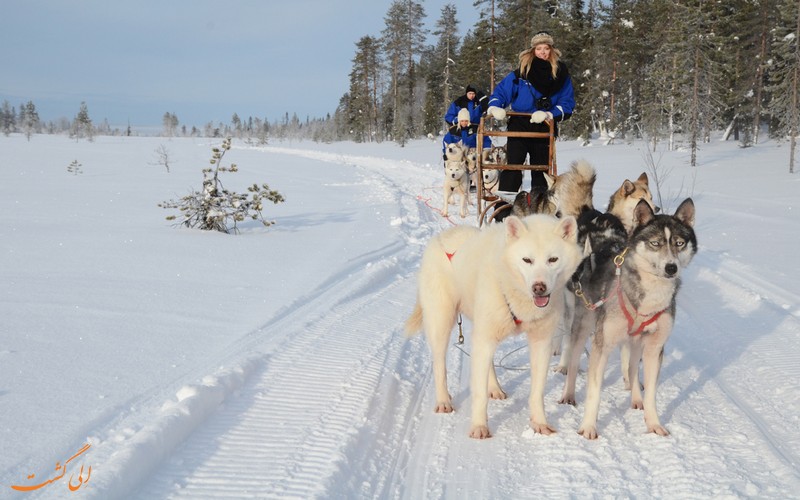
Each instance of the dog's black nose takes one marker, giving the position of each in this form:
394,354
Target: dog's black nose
671,269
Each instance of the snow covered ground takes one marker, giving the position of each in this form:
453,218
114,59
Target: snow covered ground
272,364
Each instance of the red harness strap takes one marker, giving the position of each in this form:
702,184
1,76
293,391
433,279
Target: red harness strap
630,318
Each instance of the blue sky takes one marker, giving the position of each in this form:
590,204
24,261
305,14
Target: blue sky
202,60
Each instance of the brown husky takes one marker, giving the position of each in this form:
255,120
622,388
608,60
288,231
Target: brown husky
624,200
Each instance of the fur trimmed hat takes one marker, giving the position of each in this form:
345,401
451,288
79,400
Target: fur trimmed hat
464,115
542,37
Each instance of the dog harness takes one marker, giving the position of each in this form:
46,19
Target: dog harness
517,321
631,318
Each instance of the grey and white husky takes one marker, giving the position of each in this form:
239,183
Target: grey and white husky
639,308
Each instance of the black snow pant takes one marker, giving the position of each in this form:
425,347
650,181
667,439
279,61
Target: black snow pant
518,148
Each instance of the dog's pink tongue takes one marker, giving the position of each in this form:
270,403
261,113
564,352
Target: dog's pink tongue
541,300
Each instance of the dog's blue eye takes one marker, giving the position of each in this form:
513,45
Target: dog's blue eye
527,260
655,243
680,243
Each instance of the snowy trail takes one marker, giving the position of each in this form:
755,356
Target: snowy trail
341,406
331,373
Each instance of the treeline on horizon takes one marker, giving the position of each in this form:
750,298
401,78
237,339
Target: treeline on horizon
663,70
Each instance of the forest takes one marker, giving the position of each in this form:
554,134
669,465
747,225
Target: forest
660,70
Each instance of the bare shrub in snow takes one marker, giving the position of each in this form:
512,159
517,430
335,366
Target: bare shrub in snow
74,167
216,208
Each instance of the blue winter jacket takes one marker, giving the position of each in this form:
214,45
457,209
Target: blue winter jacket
476,108
469,136
522,96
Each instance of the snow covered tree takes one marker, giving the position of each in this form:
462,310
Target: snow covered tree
403,40
485,41
361,108
8,118
82,125
436,66
29,119
784,76
474,61
74,168
215,208
170,122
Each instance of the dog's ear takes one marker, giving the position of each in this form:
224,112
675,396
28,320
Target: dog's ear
627,187
587,246
515,228
550,180
685,212
642,214
643,179
568,229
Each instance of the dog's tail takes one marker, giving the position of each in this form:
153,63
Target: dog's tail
585,171
414,322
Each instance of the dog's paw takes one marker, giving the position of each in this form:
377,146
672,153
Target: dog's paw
588,431
480,432
560,369
658,429
568,400
637,404
444,407
543,429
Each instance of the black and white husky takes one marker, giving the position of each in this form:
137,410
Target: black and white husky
603,237
638,308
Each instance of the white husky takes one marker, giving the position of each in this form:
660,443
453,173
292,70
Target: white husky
508,278
456,181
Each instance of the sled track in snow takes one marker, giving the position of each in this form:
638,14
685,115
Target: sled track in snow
261,443
743,332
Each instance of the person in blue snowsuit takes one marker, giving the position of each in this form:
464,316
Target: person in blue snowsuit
473,101
540,86
465,132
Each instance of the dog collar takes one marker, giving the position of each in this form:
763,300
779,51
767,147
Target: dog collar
517,321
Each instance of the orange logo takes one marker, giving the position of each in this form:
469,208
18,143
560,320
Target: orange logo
73,486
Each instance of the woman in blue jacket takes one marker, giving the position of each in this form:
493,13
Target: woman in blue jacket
541,86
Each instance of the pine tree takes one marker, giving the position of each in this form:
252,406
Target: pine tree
170,122
362,102
784,76
8,118
82,124
30,122
215,208
438,67
403,40
485,36
474,61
